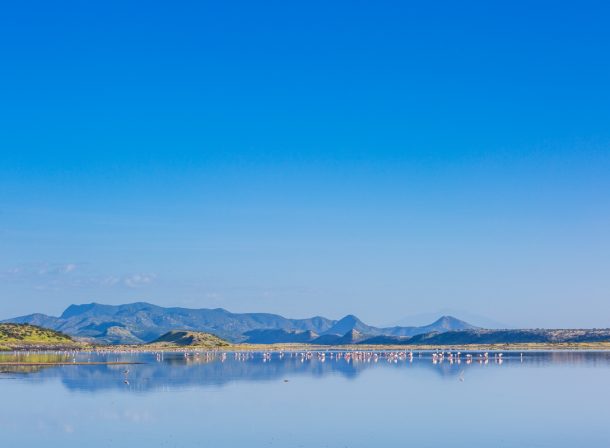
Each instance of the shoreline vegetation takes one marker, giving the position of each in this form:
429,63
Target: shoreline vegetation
25,337
593,346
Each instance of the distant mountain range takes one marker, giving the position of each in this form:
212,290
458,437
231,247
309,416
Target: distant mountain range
143,322
351,330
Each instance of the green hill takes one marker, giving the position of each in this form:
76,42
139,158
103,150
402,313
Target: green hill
184,338
18,336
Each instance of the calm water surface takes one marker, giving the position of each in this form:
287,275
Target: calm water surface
552,399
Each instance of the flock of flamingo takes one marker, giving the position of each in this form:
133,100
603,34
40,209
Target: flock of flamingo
391,356
437,357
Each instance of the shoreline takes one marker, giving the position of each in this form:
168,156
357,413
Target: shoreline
66,363
507,347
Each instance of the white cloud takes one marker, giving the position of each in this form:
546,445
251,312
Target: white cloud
138,280
32,270
57,276
70,267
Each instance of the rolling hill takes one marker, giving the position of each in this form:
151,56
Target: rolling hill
481,336
279,336
19,336
183,338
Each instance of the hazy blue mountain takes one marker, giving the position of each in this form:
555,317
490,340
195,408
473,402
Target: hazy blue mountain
279,336
40,320
327,339
143,322
445,323
418,320
351,337
349,323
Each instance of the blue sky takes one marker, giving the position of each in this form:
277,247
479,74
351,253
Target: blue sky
379,158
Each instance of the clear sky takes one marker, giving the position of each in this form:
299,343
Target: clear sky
378,158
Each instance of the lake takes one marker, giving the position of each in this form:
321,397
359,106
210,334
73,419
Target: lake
545,399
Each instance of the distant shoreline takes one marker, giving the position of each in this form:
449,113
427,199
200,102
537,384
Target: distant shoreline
508,347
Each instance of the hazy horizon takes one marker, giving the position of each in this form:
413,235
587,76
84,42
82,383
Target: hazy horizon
379,159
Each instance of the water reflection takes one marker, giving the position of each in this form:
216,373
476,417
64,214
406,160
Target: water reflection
161,371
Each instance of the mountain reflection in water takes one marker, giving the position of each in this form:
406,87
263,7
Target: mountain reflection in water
177,370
